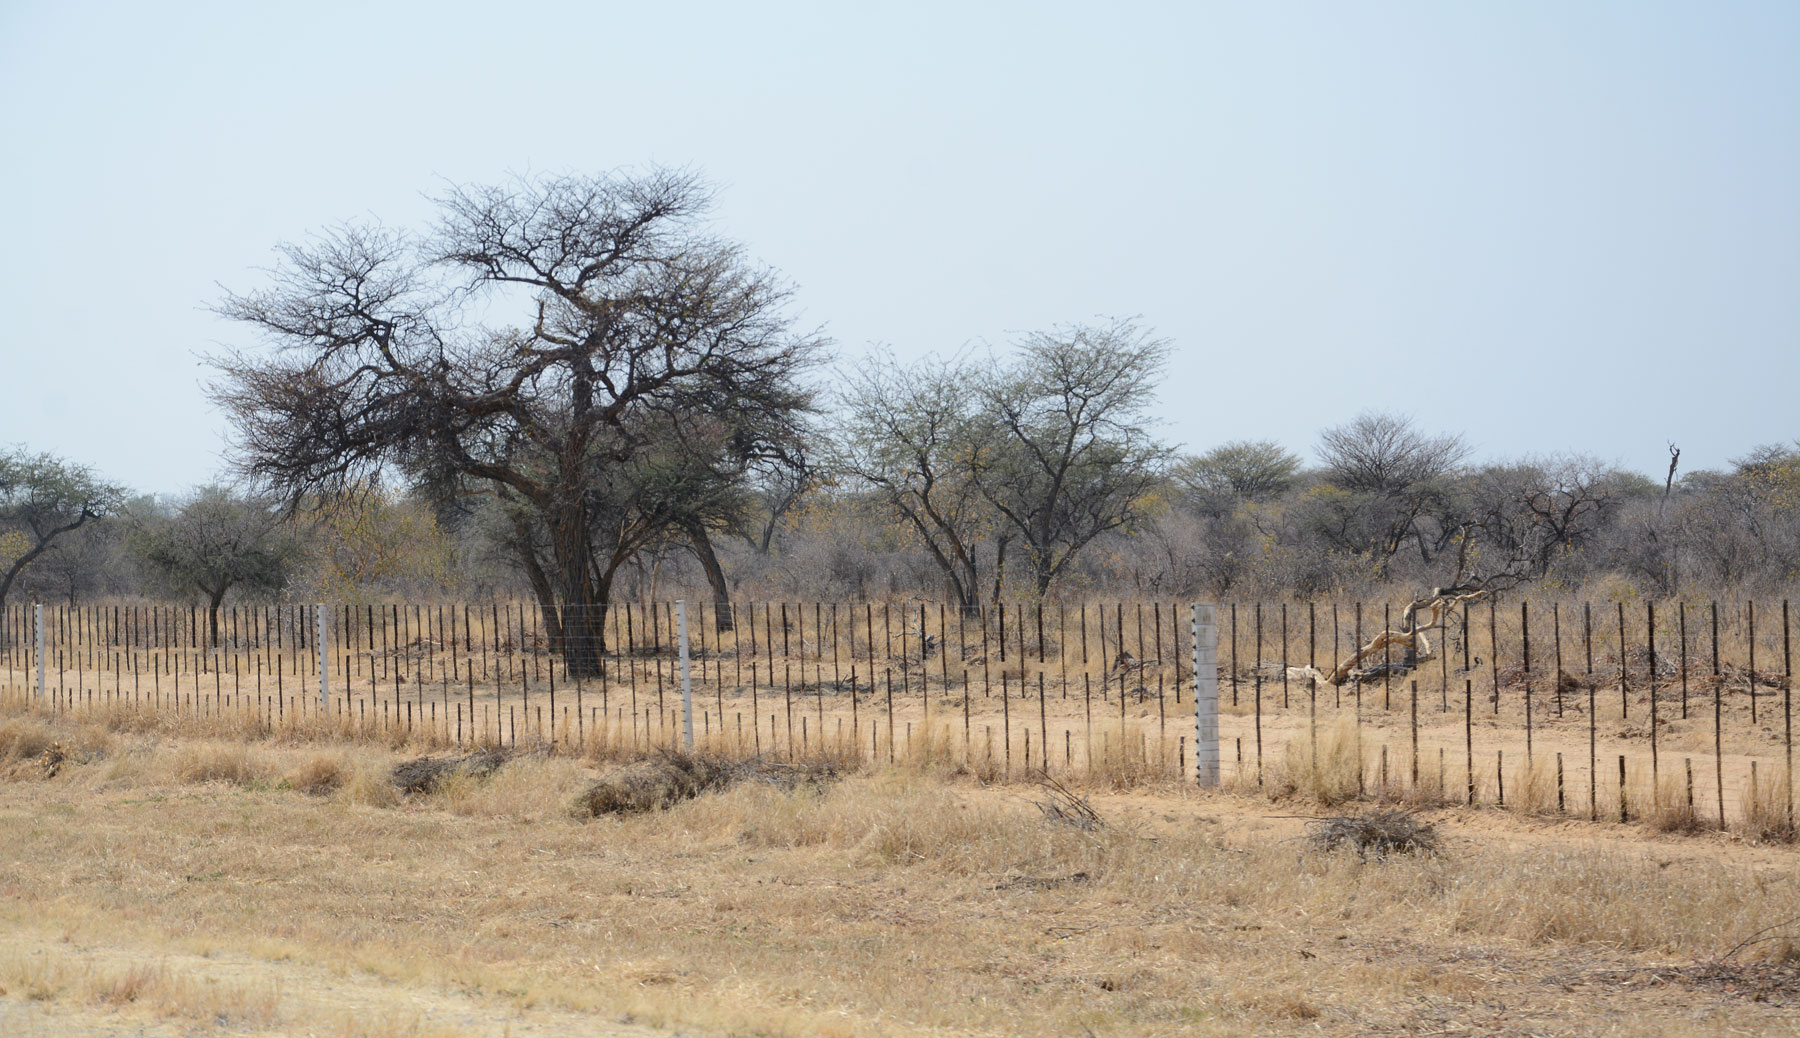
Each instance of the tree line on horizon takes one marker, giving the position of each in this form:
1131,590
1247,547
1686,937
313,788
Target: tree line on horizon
570,388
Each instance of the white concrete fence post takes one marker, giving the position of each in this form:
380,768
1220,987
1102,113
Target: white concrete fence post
323,641
687,686
1206,695
37,622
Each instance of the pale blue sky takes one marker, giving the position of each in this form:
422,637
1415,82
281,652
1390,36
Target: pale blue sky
1547,226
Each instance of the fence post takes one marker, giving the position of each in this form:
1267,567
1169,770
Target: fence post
1205,632
37,622
322,642
687,687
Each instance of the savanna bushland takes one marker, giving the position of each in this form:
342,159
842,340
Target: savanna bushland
571,396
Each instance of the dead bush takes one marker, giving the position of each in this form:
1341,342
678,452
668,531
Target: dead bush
659,782
1376,834
426,774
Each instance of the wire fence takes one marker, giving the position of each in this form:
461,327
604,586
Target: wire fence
1591,710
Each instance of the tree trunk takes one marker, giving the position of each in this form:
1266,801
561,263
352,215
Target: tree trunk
552,616
213,599
965,587
1042,574
6,582
967,595
583,609
961,571
21,562
715,576
999,566
546,596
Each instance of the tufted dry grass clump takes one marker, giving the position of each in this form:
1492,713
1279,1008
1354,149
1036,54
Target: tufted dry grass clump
1768,817
320,774
366,784
228,762
1532,790
530,787
1672,810
1326,771
22,738
1128,757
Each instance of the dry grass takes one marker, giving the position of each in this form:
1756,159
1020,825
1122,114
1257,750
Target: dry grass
1767,815
939,753
1327,772
219,762
152,990
123,718
827,908
1128,757
1673,808
529,788
1532,788
22,738
320,774
366,784
1433,788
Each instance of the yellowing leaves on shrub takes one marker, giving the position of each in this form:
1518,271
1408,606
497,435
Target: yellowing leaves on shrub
380,544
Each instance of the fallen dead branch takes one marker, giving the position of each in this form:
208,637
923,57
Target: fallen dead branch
1067,807
1403,648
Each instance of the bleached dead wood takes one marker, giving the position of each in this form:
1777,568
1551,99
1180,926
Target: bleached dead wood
1426,614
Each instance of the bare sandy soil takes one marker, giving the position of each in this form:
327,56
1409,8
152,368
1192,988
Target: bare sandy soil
295,998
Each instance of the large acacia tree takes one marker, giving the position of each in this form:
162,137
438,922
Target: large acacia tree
637,332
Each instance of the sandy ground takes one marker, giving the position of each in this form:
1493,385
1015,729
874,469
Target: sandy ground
315,1000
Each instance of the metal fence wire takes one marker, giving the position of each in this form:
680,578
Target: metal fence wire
1599,710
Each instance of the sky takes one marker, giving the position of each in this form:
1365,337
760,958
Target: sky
1547,227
